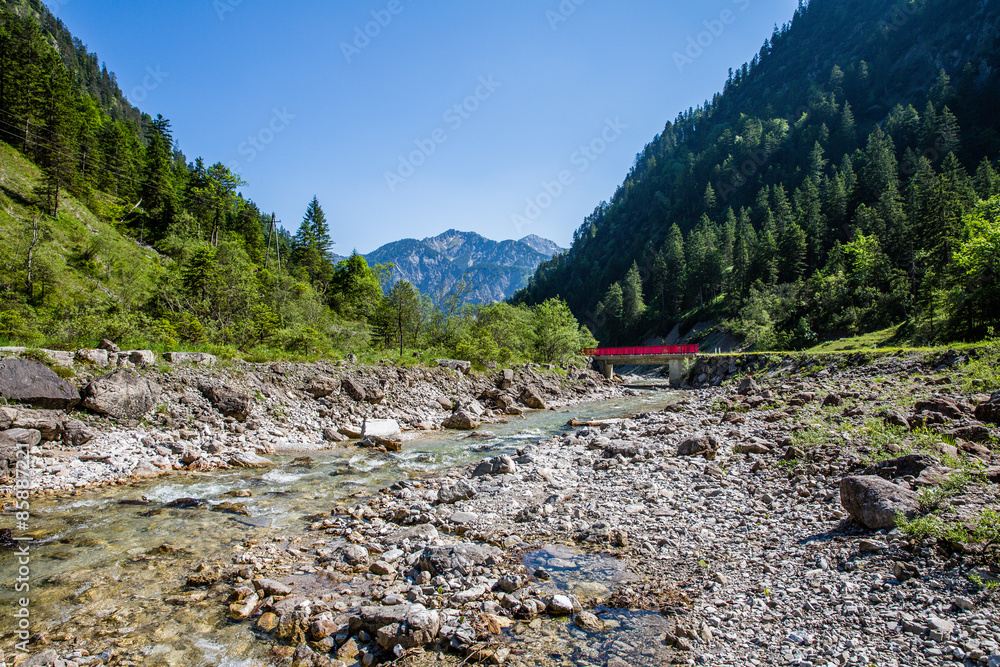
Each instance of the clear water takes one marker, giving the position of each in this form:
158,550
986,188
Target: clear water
106,565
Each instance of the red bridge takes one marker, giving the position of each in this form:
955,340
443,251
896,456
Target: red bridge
673,355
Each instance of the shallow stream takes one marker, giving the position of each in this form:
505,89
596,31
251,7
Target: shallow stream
108,566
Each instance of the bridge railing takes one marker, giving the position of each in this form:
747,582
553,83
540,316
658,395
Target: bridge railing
640,351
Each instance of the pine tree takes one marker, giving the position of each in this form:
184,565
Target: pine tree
633,305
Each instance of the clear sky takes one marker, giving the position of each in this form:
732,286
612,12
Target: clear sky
446,114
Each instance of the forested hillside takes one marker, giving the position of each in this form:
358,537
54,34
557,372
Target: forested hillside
110,231
843,181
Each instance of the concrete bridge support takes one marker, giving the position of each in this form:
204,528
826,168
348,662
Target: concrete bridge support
609,369
676,372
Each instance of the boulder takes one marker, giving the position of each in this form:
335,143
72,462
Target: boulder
109,346
452,493
894,418
229,402
95,357
748,387
455,559
463,367
705,446
498,465
461,421
50,423
505,380
990,410
121,395
910,465
34,384
941,405
11,443
354,389
406,625
249,460
874,502
142,358
321,386
531,397
193,358
382,429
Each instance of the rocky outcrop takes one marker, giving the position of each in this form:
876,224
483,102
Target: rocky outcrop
405,626
192,358
121,395
874,502
532,398
463,367
989,411
910,465
32,383
229,402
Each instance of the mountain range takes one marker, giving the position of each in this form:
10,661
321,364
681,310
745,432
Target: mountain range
490,270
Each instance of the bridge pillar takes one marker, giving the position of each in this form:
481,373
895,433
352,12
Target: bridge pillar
676,371
609,369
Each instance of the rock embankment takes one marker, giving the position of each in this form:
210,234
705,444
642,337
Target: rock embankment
141,419
752,516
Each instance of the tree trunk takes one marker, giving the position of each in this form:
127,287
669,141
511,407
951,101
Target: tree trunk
29,286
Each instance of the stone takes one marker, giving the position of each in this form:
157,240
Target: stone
498,465
941,405
874,502
532,399
109,346
381,568
833,400
461,421
706,446
228,401
383,429
268,622
415,625
32,383
463,518
75,433
271,587
455,559
122,395
354,554
463,367
748,387
142,358
241,610
588,621
93,357
989,411
872,546
354,389
505,380
895,418
909,465
330,435
249,460
905,571
321,386
192,358
560,605
452,493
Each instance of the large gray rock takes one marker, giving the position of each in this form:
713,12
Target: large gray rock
32,383
532,398
93,357
463,367
990,410
11,444
455,559
50,423
874,502
452,493
193,358
121,395
382,429
355,389
250,460
707,447
321,386
506,379
406,625
229,402
748,387
498,465
461,421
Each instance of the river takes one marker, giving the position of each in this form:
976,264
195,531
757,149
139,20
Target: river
108,566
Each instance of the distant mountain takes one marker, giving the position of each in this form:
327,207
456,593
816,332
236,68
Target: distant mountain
544,246
492,270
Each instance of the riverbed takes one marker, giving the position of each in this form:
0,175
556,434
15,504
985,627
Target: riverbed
108,567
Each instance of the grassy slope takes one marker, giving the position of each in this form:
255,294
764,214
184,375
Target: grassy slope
84,267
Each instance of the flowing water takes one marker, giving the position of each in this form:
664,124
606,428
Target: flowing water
108,567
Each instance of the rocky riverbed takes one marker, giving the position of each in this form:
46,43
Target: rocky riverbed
750,522
728,529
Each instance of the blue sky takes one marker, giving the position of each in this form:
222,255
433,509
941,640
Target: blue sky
407,117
